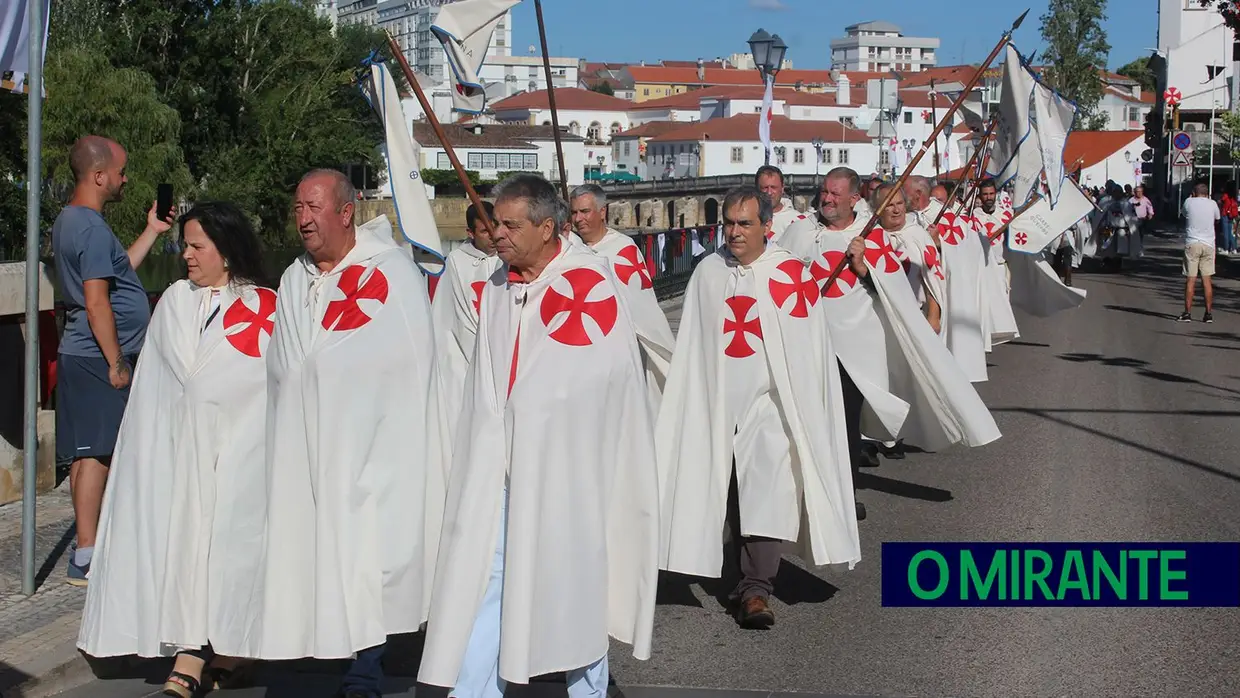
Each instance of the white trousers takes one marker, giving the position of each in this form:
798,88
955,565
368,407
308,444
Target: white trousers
479,677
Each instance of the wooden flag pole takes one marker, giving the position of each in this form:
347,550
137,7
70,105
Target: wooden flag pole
439,132
964,173
555,119
934,116
938,129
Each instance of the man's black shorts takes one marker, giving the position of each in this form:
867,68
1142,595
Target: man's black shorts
88,408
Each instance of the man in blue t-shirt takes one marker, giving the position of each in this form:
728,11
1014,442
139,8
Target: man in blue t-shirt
107,315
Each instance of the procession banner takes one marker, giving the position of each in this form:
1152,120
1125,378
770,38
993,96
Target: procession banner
1014,125
465,29
1042,223
1053,119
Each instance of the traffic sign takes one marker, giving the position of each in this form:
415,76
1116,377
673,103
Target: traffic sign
1172,96
1182,141
1180,159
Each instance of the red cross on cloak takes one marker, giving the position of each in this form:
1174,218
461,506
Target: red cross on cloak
1021,239
244,327
739,325
931,258
879,253
572,331
951,229
821,271
632,265
477,287
800,286
344,314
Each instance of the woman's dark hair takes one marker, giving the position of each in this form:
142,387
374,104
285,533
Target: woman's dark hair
233,236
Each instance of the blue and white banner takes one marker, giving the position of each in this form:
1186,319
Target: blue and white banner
465,29
15,36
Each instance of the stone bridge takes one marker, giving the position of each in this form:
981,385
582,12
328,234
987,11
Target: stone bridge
687,203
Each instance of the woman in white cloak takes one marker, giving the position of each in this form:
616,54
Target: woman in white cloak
181,531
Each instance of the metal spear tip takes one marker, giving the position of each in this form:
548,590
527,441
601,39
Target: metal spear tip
1017,23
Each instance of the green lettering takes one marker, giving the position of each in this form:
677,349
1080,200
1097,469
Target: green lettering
1143,572
1166,575
1102,568
944,575
1014,586
970,576
1074,566
1039,576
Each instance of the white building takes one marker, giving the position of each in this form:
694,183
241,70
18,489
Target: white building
1105,155
1196,43
628,149
879,46
409,22
505,76
365,12
494,148
591,115
731,146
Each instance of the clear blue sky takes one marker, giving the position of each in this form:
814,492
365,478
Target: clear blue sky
634,30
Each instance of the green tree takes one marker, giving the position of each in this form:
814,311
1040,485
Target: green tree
1076,54
12,175
603,88
1139,70
87,95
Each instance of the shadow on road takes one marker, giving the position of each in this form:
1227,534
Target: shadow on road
1046,414
899,488
1127,362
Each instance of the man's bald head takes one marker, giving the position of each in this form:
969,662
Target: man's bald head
90,154
917,189
323,207
939,193
98,166
337,182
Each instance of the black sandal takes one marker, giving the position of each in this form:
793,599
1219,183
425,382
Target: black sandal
189,689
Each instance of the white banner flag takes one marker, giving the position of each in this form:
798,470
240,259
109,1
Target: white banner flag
414,217
465,29
766,116
1041,224
1053,117
1014,127
15,36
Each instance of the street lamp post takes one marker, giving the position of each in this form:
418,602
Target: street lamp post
818,144
768,55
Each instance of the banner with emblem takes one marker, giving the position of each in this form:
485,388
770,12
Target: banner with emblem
465,29
1053,118
1014,127
414,217
1042,223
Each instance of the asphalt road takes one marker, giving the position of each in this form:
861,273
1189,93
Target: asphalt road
1119,425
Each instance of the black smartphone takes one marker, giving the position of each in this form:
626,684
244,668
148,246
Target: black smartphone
163,204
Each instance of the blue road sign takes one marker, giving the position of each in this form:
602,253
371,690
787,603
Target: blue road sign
1181,141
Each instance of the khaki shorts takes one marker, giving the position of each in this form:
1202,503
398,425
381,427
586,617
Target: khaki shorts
1198,257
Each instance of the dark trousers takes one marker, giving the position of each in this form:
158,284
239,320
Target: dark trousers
758,557
853,402
366,671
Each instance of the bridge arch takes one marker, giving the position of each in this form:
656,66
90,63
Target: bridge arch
711,211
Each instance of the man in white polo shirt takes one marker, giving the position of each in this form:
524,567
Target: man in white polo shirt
1200,213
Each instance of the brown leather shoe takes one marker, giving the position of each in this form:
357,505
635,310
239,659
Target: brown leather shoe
755,614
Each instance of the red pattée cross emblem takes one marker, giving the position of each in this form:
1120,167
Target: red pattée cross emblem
951,230
344,314
244,328
1021,239
632,265
477,287
739,325
572,331
878,252
821,271
801,286
931,258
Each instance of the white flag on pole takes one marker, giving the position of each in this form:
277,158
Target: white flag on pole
414,217
1053,119
15,36
1041,224
465,29
1014,127
767,115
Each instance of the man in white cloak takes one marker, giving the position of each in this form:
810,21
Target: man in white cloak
998,321
880,335
551,525
454,309
354,443
770,181
920,204
964,261
588,208
754,399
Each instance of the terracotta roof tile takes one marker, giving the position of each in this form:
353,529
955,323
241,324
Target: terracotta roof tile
573,98
744,127
1092,147
692,99
659,75
651,129
511,136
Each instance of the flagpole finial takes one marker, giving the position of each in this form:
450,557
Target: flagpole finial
1017,23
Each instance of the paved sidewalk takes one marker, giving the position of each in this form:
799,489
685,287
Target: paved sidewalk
38,633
